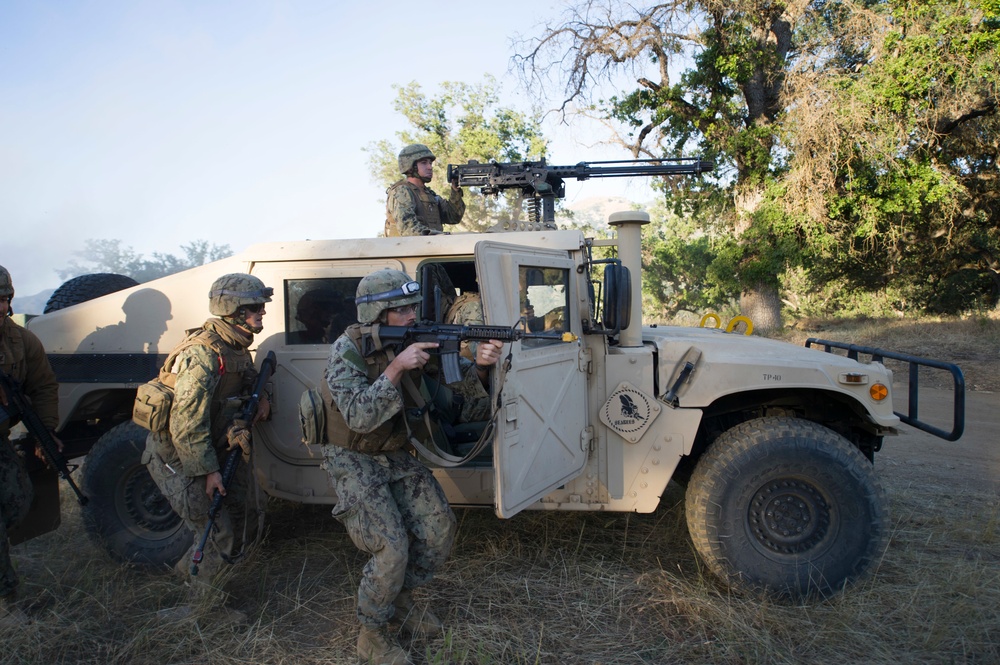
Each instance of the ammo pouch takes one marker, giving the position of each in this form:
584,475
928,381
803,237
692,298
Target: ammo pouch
154,398
152,405
312,418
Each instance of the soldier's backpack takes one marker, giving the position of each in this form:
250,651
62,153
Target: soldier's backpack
154,398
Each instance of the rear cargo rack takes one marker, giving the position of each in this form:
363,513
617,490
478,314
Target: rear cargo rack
914,363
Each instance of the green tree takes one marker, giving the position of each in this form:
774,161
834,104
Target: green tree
463,122
855,139
706,78
895,140
111,256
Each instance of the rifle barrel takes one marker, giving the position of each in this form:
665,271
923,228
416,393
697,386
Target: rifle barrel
22,409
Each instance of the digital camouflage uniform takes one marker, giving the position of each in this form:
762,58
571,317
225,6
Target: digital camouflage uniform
207,397
389,502
23,358
418,211
467,310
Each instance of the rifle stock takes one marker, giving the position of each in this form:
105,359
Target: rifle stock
449,338
22,409
233,459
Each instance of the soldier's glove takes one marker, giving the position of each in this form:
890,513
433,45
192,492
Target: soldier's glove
238,436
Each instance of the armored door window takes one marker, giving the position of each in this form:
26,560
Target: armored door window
544,300
318,310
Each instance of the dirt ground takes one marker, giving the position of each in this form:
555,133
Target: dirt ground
971,463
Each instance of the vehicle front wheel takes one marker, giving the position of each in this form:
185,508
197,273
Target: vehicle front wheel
788,506
126,513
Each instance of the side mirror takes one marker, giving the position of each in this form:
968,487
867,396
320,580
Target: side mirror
617,305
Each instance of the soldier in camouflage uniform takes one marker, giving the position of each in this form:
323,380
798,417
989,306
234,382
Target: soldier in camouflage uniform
411,207
23,359
467,310
214,373
389,502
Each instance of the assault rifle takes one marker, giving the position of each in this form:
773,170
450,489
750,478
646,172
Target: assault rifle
449,337
19,408
233,460
543,184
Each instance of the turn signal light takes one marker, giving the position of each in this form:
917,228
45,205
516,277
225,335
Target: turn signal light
878,392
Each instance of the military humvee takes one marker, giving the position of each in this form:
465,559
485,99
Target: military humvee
774,442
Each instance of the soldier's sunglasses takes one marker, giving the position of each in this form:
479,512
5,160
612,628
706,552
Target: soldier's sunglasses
254,308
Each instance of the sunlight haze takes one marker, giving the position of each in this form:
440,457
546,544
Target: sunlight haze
231,122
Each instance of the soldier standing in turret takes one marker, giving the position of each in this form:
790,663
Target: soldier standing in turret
411,207
214,373
23,359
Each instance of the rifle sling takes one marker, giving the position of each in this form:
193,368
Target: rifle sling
431,451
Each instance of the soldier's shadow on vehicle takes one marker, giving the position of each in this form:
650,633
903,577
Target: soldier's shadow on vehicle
146,314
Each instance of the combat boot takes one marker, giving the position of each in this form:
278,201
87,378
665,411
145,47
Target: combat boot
416,618
377,647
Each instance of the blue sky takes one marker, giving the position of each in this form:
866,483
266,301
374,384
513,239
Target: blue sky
158,123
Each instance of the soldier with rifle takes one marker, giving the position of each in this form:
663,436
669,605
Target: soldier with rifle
24,363
388,501
213,378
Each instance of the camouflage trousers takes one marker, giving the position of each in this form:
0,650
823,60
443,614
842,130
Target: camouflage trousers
394,509
16,493
236,522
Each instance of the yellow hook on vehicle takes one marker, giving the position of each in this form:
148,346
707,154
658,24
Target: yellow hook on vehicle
711,315
736,320
733,322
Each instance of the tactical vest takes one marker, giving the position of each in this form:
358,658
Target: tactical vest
427,204
233,364
387,437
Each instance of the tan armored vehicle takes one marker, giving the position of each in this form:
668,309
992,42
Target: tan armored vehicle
774,442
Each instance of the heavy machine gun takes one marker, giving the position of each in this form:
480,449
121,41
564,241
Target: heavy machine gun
542,184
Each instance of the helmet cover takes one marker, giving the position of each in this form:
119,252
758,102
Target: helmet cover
234,290
382,290
411,154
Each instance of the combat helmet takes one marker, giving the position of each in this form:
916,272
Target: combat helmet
232,291
412,154
6,283
382,290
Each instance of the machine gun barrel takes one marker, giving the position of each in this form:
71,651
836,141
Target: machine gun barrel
544,183
633,167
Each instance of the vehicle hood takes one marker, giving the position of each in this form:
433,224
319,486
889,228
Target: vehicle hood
733,363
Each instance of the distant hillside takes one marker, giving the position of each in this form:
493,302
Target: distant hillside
594,210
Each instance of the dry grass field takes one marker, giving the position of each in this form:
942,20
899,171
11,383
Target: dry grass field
565,588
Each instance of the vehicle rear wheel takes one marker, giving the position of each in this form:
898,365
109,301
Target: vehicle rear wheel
126,513
786,505
87,287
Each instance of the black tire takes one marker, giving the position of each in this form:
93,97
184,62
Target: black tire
86,287
787,506
127,514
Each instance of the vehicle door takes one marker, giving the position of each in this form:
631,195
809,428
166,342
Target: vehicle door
541,437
